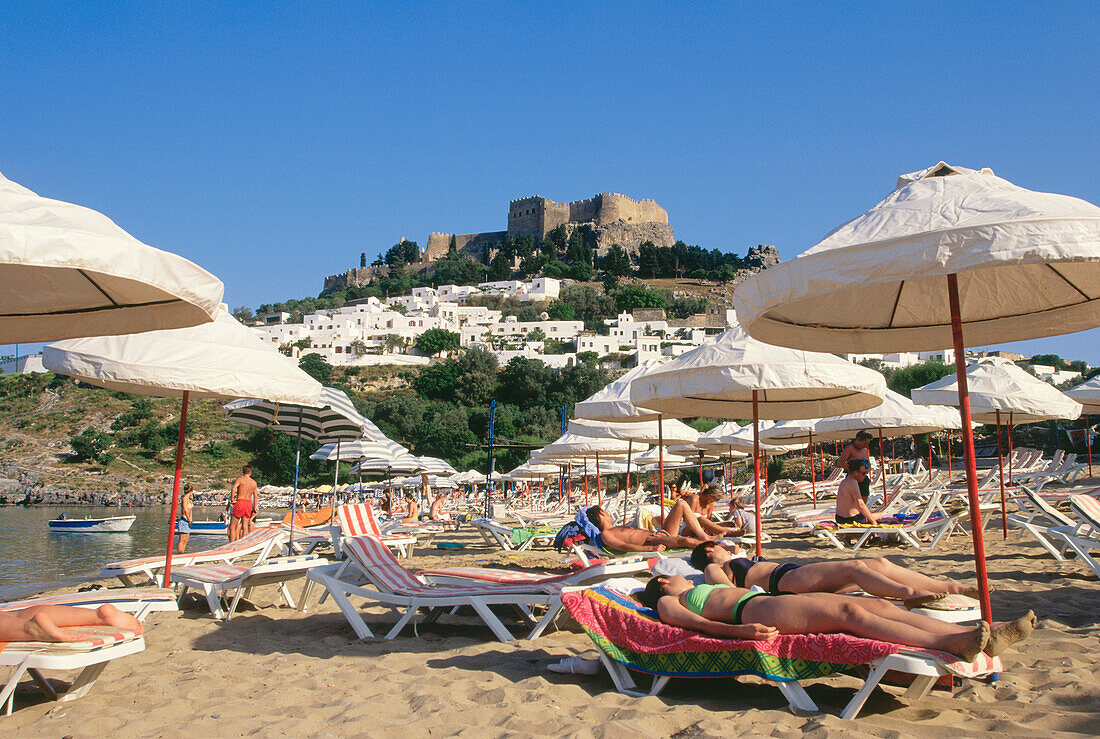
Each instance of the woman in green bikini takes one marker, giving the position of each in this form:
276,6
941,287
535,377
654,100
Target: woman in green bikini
736,613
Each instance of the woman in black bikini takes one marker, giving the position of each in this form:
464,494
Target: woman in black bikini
876,576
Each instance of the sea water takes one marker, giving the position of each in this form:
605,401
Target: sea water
31,553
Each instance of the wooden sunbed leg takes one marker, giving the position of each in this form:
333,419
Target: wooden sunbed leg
491,620
797,696
856,704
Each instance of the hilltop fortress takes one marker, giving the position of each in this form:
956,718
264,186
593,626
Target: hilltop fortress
613,218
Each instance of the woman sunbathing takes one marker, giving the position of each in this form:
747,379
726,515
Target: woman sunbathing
47,623
877,576
736,613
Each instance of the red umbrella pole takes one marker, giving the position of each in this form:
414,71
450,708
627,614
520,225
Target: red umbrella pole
968,450
176,488
1001,476
929,457
950,472
813,471
1011,453
756,464
661,466
629,450
586,482
700,471
1088,442
882,463
599,495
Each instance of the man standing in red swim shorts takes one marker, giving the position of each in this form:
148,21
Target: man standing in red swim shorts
243,498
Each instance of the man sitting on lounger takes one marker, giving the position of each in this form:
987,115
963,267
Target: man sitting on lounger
46,623
736,613
702,505
876,576
851,507
629,539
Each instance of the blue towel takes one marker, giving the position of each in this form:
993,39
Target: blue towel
588,528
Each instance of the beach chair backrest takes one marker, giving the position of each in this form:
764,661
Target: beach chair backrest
1088,508
378,562
932,507
358,519
1046,508
253,540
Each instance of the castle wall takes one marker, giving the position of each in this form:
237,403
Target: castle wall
539,216
472,244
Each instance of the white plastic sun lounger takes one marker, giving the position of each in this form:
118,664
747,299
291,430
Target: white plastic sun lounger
138,601
939,526
1038,517
259,543
400,589
1083,537
216,581
500,534
90,657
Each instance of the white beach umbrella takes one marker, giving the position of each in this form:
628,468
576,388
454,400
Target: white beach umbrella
668,431
740,377
67,271
951,251
435,466
740,439
653,456
360,449
575,447
1088,395
221,359
400,464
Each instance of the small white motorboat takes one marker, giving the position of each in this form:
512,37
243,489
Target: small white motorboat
208,527
112,525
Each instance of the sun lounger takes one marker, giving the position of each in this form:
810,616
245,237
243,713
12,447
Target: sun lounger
934,520
357,519
1083,537
400,589
505,537
90,657
216,581
138,601
1038,517
259,544
631,638
589,574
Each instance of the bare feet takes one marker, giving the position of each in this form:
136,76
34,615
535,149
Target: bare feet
977,642
41,628
113,617
1005,635
920,601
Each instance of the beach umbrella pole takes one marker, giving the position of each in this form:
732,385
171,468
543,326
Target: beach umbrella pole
599,494
335,482
756,463
813,471
1088,442
294,499
968,449
661,466
1011,453
882,463
176,488
586,482
930,457
1001,476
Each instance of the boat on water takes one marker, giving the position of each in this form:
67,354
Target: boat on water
112,525
208,527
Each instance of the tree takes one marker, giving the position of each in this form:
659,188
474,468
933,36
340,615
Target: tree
242,314
477,377
684,307
402,253
905,379
1050,360
445,432
617,262
500,268
394,342
358,347
317,367
437,340
537,335
362,259
524,382
452,248
91,445
561,311
631,296
437,381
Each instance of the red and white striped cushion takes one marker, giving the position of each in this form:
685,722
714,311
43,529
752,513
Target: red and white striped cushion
1088,508
94,597
99,637
357,519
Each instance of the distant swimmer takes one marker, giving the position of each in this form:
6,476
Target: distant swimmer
243,497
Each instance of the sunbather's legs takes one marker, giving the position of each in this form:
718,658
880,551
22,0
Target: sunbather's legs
826,612
681,513
183,543
875,576
46,623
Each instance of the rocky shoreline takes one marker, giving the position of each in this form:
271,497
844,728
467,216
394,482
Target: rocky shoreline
26,493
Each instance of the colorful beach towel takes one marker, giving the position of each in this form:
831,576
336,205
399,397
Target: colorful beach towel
634,636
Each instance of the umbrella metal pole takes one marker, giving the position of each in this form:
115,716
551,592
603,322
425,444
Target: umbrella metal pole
661,466
756,464
968,449
294,500
1011,453
1001,476
813,471
1088,442
335,481
700,472
586,482
176,488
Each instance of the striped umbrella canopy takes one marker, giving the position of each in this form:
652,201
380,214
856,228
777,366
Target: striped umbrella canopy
435,466
405,463
360,449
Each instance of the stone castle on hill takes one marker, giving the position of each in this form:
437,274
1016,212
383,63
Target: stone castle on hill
613,218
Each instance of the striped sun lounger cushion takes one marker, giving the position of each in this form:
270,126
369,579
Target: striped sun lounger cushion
634,636
373,555
101,637
109,596
1087,507
493,574
226,573
259,536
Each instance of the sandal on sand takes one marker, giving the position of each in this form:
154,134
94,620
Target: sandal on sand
977,642
1008,634
576,666
922,600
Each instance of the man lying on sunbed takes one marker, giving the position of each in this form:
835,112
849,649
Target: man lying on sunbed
736,613
876,576
46,623
629,539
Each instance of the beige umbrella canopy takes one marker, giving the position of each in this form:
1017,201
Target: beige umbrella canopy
1087,394
222,359
67,271
953,254
646,432
575,447
1027,265
613,403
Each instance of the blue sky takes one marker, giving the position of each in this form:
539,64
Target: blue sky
272,143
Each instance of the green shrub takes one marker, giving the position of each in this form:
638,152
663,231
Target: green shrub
91,445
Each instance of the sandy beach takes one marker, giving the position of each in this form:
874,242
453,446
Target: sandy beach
276,671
